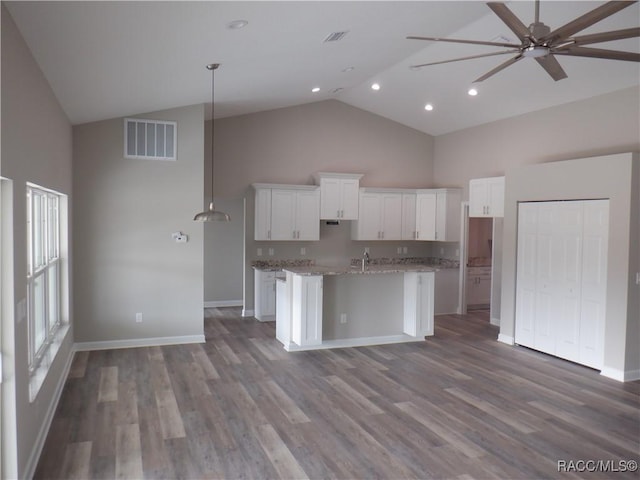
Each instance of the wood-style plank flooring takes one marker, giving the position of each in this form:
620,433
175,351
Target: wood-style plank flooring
459,405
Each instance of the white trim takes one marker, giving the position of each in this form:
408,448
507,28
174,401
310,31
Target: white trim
506,339
223,303
620,375
138,342
354,342
494,321
32,462
247,312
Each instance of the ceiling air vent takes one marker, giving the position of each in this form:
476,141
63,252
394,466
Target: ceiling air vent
335,36
150,139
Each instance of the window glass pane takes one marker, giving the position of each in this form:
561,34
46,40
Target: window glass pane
169,151
29,232
151,139
38,230
141,141
38,312
131,138
53,286
52,230
160,140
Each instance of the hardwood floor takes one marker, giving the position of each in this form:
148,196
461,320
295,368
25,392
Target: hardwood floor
460,405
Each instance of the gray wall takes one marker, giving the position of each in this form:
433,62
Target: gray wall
599,177
289,145
36,147
126,210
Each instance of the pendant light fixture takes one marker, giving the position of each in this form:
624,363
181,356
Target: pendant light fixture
212,215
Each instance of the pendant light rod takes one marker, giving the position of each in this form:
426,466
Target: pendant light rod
211,214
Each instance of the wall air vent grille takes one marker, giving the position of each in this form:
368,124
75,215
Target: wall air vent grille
150,139
335,36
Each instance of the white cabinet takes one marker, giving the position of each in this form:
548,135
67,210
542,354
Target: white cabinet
561,278
418,303
409,216
426,215
339,194
486,197
306,309
287,212
264,295
283,312
446,291
380,216
478,286
448,203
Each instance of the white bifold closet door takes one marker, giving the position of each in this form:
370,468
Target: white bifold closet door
561,278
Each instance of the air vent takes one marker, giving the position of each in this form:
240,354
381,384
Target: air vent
335,36
150,139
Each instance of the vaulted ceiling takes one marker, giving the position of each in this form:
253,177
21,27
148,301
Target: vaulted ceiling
113,59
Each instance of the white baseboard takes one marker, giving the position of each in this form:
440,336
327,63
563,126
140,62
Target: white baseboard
247,313
139,342
223,303
506,339
355,342
32,463
620,375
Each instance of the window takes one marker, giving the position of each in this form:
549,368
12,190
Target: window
43,270
150,139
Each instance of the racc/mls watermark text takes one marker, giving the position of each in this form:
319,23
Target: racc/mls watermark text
601,466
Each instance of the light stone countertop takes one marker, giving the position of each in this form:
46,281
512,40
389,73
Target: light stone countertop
357,270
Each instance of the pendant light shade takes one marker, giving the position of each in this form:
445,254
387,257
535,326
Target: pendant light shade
212,215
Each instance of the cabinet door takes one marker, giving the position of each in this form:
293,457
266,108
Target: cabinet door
330,198
306,313
448,216
495,197
262,224
426,216
408,216
307,221
526,274
418,303
283,212
350,190
369,218
269,296
391,210
478,198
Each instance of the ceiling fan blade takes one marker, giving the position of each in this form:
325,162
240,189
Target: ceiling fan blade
606,36
472,42
509,18
502,66
464,58
598,53
552,67
586,20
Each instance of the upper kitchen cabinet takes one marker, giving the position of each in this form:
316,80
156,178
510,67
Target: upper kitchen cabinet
287,212
486,197
425,215
339,194
380,215
409,216
448,203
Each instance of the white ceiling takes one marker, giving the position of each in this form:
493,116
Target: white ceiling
113,59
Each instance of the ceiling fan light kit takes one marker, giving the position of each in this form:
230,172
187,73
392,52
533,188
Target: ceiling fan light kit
538,41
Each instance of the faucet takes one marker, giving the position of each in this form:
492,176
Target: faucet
365,260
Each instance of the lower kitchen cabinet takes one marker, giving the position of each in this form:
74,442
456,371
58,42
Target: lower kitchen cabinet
265,295
306,309
478,288
418,303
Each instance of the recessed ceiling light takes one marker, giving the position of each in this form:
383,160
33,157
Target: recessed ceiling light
473,92
348,69
428,107
237,24
315,89
375,86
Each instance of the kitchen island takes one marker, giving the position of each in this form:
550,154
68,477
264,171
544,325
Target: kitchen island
332,307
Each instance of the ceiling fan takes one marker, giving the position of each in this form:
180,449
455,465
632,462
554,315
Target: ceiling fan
538,41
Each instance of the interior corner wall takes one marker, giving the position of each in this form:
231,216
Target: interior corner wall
36,147
602,177
289,145
632,360
125,213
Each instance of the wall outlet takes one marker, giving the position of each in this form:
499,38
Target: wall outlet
271,252
343,318
259,252
139,317
303,251
441,250
399,250
405,249
457,252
